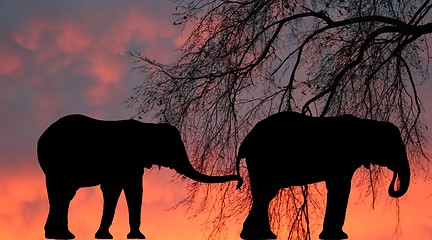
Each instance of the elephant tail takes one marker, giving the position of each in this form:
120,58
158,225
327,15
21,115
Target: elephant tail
238,159
242,152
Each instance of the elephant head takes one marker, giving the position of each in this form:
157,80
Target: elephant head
390,151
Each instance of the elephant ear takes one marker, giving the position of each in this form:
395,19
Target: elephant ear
167,140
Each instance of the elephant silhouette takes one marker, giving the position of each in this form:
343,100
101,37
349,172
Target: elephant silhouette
290,149
79,151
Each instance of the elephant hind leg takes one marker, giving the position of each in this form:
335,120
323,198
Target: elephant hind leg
59,196
257,224
325,235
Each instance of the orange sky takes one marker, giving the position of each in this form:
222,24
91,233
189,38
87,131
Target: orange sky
61,57
24,209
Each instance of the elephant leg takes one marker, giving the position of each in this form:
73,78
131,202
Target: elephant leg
257,223
111,193
59,196
134,193
337,201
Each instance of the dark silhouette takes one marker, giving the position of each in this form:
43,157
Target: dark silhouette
290,149
78,151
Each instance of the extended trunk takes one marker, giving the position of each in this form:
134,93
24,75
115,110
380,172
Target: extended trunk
190,172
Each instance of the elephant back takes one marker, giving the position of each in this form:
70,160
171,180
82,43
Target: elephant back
78,143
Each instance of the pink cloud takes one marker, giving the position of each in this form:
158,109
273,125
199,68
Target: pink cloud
107,60
48,104
105,72
91,46
29,36
98,95
69,36
139,27
10,62
73,36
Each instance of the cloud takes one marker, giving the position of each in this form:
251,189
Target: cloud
88,43
10,64
73,37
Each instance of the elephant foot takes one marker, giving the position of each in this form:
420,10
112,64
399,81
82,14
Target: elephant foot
135,234
256,234
59,234
333,235
103,234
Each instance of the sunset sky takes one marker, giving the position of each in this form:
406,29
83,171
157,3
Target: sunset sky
60,57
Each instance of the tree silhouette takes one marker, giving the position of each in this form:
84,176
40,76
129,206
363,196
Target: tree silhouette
246,59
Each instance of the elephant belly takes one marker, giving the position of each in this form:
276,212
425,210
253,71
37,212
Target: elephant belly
86,181
77,178
296,176
298,180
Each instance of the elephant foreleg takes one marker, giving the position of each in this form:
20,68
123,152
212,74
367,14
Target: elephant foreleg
59,196
111,193
134,192
337,200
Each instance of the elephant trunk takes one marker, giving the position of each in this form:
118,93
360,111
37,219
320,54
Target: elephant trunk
404,179
189,171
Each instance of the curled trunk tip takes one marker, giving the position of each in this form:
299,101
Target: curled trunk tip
404,179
